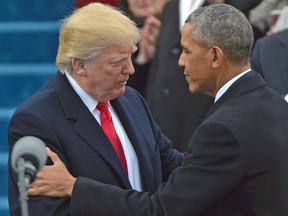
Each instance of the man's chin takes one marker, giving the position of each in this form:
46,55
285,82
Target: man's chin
121,90
193,90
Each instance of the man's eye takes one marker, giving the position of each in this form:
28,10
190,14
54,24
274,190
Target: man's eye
119,62
185,51
116,63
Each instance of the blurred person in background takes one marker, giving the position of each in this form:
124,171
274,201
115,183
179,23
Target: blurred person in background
139,10
281,22
266,13
177,111
147,15
269,55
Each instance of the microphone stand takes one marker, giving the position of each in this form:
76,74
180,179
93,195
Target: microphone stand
22,186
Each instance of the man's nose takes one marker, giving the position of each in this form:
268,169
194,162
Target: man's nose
130,67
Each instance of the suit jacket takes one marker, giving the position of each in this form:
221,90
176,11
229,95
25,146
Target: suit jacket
236,164
57,115
269,58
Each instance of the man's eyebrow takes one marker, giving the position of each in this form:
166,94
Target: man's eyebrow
117,60
184,48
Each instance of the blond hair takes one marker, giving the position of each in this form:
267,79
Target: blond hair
88,30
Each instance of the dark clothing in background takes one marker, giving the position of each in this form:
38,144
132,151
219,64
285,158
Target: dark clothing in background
177,112
269,58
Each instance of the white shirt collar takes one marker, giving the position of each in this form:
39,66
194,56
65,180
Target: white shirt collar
85,97
224,88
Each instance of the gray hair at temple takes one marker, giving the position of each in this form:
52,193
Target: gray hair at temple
224,26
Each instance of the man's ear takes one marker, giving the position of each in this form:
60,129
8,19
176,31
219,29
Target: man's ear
78,66
217,56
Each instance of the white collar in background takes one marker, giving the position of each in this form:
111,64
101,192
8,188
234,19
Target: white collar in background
186,7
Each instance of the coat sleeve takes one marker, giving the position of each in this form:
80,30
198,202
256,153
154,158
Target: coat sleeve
26,123
209,172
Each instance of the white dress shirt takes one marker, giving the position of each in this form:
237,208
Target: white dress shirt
131,157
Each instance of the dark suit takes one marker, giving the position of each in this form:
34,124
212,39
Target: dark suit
269,58
57,115
237,164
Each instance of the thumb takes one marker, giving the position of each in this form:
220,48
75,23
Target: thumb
54,157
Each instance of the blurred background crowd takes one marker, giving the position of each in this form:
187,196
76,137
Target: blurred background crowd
28,46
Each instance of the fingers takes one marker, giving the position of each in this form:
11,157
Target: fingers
152,25
34,188
37,190
54,157
152,21
151,30
31,191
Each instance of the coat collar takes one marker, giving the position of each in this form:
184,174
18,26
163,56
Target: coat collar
244,84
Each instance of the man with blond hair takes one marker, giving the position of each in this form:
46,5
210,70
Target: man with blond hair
100,128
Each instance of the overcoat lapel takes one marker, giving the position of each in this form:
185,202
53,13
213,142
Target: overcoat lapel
244,84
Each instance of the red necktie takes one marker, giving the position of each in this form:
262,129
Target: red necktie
108,127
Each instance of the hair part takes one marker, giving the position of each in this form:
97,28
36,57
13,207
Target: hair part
90,29
224,26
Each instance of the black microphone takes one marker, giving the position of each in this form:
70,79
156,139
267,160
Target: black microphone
28,155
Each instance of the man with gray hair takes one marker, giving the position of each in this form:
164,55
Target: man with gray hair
237,159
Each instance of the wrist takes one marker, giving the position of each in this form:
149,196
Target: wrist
70,186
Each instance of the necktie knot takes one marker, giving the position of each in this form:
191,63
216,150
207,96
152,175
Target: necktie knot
102,106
